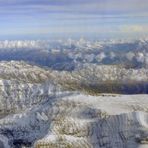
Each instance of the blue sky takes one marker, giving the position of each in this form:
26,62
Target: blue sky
30,19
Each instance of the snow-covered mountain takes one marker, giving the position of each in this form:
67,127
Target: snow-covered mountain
68,54
39,108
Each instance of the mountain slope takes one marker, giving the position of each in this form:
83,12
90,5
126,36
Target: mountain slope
39,109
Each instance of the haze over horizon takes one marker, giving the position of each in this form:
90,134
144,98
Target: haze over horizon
37,19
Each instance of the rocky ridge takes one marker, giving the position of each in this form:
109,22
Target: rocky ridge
38,111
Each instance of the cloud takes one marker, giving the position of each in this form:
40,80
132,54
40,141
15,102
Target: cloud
130,56
64,16
103,7
133,28
100,56
140,57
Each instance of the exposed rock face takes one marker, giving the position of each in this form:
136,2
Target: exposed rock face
87,124
37,112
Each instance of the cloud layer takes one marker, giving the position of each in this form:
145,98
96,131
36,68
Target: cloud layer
39,17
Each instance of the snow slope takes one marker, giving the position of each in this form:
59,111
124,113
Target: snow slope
105,121
79,120
37,112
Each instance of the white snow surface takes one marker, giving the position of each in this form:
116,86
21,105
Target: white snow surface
73,116
35,111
